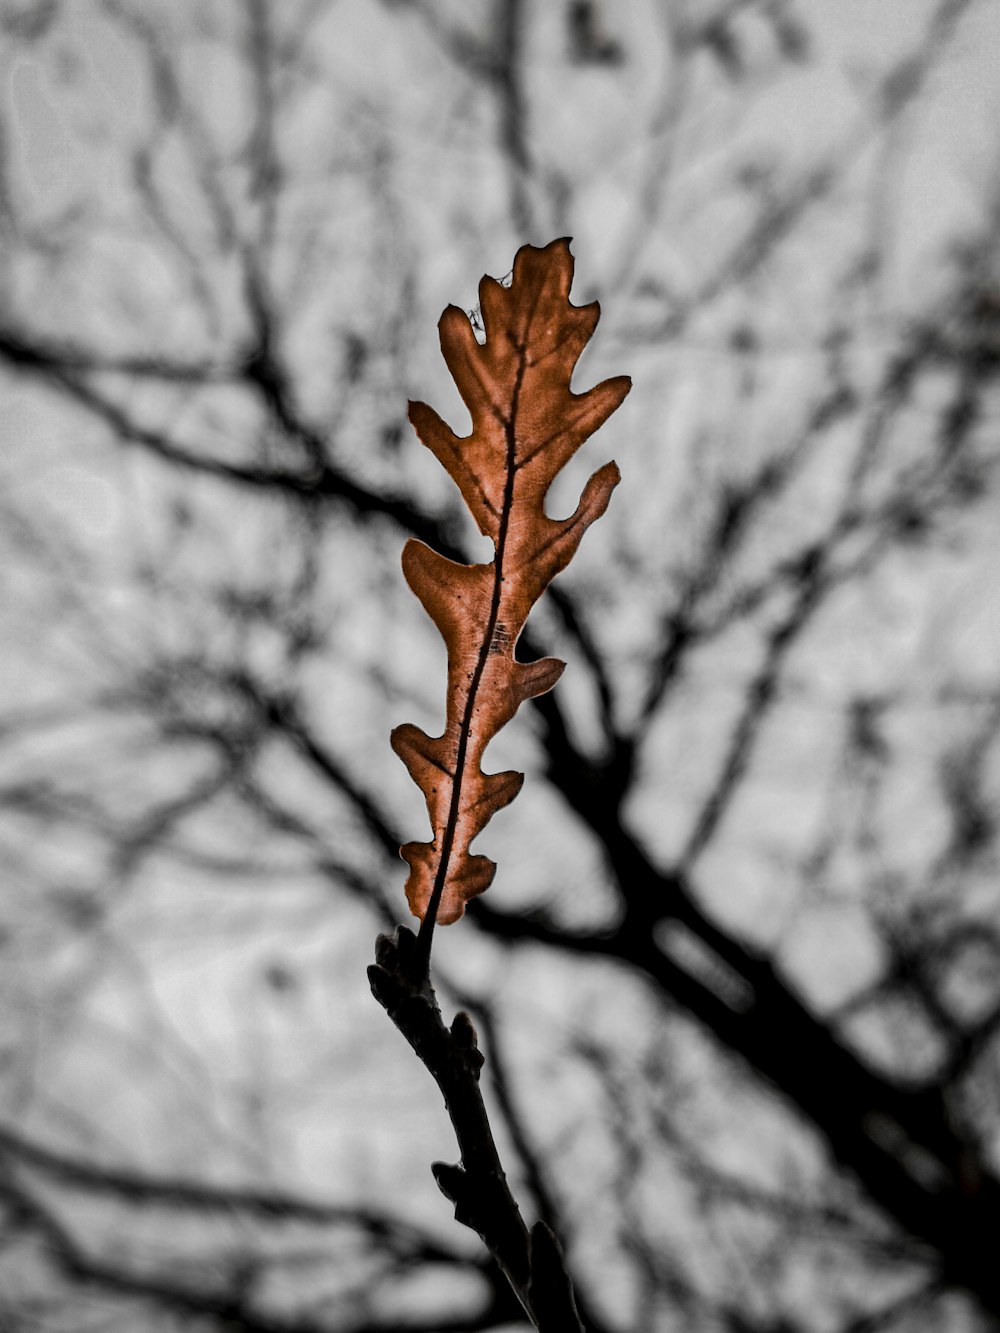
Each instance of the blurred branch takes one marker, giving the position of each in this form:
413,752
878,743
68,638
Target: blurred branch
571,616
262,148
136,1188
366,889
758,698
924,1295
46,357
234,1306
740,509
320,480
282,712
894,94
230,1309
899,1142
496,58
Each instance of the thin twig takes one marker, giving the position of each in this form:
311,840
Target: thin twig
531,1262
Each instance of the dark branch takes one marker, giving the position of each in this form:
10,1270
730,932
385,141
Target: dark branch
532,1262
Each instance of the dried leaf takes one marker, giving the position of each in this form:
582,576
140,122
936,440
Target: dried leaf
527,424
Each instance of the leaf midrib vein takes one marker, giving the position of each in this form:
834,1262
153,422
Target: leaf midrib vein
510,430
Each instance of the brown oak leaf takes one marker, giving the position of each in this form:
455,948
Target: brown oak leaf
526,425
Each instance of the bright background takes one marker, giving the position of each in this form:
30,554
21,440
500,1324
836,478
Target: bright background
227,230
